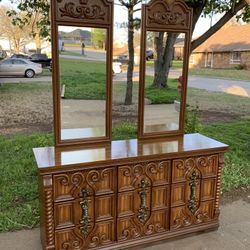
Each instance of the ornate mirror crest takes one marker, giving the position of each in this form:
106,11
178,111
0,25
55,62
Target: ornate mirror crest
84,11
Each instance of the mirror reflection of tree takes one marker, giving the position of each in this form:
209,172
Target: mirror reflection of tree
164,48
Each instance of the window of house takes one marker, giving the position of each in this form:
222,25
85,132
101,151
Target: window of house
235,57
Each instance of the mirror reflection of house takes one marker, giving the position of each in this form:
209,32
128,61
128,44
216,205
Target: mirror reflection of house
227,48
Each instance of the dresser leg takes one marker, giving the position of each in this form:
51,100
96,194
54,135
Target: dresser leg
47,213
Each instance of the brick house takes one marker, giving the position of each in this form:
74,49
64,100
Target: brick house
227,48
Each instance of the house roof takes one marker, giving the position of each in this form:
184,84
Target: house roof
234,38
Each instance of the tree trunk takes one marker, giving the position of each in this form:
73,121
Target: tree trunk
131,52
38,43
164,57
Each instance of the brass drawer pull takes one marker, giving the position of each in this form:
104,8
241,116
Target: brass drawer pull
193,201
85,220
143,211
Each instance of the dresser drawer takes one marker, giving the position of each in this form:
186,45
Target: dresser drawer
128,228
155,173
103,234
70,213
68,186
206,165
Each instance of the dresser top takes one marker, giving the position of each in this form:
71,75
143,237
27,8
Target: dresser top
124,151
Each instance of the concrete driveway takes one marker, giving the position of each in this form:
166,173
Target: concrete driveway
233,234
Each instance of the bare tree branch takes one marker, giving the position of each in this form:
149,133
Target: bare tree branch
228,15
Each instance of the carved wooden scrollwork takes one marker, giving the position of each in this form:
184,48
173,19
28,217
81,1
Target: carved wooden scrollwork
130,232
75,242
165,14
84,11
84,179
155,173
97,240
201,163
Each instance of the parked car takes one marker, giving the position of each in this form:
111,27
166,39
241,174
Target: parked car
122,59
22,56
19,67
42,59
149,55
117,67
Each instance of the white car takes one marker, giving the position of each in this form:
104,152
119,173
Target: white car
117,68
19,67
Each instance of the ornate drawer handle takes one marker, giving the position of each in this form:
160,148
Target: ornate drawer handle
193,201
85,220
143,211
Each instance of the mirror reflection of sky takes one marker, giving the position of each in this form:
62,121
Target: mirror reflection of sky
120,16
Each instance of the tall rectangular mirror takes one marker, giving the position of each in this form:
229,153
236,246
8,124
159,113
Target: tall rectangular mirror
82,45
163,70
83,83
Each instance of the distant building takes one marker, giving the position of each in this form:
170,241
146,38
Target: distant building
76,36
227,48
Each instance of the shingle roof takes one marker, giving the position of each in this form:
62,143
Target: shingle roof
234,38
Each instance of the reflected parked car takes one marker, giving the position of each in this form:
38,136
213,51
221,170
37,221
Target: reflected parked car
20,56
19,67
149,55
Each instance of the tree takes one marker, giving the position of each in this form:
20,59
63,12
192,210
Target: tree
98,37
228,9
35,15
16,35
132,22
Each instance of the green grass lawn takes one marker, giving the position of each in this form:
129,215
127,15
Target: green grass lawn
177,64
70,53
232,74
160,96
89,84
237,161
83,80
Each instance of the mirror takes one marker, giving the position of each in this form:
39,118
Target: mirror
82,53
163,80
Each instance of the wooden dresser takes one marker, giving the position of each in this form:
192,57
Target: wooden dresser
128,193
102,194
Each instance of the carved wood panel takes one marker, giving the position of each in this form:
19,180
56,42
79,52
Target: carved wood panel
207,165
155,173
68,214
69,185
193,191
72,239
168,14
128,227
182,217
84,11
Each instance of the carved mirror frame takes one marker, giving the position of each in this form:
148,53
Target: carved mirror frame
168,16
90,14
